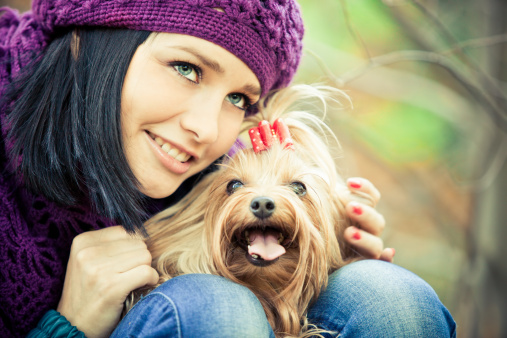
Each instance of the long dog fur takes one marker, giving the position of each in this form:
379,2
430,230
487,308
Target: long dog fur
201,233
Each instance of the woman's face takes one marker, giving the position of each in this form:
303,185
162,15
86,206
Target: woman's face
183,102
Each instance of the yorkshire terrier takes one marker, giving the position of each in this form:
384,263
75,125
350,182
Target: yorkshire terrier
270,219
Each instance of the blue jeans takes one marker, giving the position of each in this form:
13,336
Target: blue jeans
364,299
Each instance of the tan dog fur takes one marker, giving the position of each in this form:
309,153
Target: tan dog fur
201,233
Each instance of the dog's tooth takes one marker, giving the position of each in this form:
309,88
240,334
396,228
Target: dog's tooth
255,256
280,238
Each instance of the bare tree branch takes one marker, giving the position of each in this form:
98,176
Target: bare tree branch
475,86
355,35
495,112
484,79
476,43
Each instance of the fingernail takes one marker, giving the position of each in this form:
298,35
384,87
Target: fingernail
394,251
356,209
356,235
356,184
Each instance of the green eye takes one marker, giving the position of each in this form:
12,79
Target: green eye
233,185
299,188
187,70
239,100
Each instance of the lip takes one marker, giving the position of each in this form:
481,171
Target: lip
167,161
178,146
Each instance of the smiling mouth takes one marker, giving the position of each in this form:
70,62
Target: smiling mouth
174,152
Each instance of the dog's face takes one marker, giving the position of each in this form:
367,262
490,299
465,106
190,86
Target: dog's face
272,221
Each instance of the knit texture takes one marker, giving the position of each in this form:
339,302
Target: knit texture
36,234
266,35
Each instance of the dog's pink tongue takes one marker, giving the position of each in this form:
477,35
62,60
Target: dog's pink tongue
265,244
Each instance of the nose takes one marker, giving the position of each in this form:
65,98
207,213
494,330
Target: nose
201,118
262,207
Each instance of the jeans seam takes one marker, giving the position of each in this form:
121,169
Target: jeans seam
176,313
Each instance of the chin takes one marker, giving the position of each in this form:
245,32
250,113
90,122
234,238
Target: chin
157,191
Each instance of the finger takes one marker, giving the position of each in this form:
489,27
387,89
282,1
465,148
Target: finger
114,248
362,185
367,217
388,255
366,244
140,276
91,238
109,258
129,260
103,253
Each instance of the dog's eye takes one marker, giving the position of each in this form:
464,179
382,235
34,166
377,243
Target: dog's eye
234,185
299,188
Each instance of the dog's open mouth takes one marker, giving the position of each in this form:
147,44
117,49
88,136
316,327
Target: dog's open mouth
263,246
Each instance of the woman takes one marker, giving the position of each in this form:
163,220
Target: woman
111,110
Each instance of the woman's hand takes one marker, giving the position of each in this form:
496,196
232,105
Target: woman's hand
366,239
103,268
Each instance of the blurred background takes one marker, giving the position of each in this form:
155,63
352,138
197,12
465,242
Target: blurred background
428,126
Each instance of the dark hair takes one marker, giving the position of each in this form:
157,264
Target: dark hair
66,124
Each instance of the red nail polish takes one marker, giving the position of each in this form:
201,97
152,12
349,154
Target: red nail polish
355,185
394,251
357,210
357,235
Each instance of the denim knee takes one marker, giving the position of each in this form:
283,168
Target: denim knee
377,299
196,305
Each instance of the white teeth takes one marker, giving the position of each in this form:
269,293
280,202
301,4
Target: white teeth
181,157
173,152
166,147
159,141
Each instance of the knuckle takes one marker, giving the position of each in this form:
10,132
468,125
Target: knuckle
146,257
80,241
86,263
83,256
142,243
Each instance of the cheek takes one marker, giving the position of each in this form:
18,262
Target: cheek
152,96
231,127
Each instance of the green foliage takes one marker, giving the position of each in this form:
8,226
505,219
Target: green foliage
401,134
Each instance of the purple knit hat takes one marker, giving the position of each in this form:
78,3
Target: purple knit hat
265,34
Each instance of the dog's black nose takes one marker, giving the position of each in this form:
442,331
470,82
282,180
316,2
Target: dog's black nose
262,207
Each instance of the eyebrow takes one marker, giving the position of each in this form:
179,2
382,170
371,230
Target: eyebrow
215,66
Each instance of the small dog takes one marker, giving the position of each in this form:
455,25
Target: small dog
270,220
